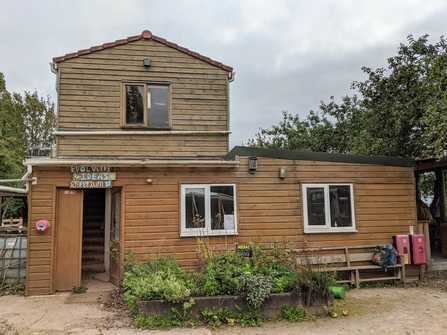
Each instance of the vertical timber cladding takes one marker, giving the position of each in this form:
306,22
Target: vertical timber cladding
90,99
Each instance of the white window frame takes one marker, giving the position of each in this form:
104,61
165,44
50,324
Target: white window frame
206,231
327,228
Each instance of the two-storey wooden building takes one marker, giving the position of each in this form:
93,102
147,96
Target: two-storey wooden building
142,164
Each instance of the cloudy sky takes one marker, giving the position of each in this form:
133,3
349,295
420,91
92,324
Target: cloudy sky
287,54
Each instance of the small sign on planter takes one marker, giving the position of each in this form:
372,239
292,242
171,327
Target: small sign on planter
244,250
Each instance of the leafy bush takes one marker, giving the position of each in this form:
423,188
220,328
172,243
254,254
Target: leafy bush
310,283
161,278
255,288
157,278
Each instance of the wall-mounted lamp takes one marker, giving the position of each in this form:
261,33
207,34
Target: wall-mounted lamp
252,164
147,62
282,172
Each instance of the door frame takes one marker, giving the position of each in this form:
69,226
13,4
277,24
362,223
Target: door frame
116,261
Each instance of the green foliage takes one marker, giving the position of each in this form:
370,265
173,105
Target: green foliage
157,278
216,318
255,288
184,317
175,319
79,289
15,288
220,273
401,111
251,318
294,314
311,283
269,270
26,120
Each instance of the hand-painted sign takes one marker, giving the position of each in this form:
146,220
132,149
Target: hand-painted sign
87,169
91,184
94,176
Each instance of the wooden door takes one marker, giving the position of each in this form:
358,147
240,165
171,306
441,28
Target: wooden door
68,239
115,231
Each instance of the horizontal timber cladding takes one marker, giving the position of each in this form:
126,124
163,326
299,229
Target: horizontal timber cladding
39,253
90,89
143,145
269,208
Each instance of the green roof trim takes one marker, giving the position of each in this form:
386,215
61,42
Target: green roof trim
319,156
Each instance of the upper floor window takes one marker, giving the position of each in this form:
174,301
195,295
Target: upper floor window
328,208
146,105
208,209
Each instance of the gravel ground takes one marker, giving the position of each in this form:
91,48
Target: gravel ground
418,308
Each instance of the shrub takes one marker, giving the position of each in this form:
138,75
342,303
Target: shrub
157,278
255,288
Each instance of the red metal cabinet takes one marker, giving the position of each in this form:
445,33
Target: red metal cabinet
402,243
418,249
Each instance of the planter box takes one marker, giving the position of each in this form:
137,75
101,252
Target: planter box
270,307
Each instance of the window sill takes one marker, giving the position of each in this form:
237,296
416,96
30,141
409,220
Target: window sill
329,230
208,233
140,126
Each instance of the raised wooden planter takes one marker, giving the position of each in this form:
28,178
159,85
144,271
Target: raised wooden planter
270,307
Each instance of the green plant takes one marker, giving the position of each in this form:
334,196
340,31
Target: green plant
79,289
164,322
215,318
255,288
250,318
294,314
156,322
157,278
311,283
15,288
221,271
181,318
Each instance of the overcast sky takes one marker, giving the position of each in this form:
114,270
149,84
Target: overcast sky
287,54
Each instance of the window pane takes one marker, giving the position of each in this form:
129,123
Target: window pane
134,104
195,207
315,206
340,201
222,207
157,106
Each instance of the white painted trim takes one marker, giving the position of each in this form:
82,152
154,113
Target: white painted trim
128,162
137,132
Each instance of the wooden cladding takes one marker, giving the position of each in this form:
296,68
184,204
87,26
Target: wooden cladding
269,208
91,99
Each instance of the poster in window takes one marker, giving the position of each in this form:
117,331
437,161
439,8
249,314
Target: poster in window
228,221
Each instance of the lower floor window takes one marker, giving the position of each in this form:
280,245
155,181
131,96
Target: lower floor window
328,208
208,209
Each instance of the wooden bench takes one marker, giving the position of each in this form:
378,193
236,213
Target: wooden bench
351,261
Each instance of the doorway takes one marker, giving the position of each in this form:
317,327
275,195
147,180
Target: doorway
93,231
87,224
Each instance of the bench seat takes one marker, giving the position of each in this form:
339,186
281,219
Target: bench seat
341,259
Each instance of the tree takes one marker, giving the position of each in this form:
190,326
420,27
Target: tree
26,120
399,111
12,139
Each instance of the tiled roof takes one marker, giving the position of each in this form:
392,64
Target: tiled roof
146,34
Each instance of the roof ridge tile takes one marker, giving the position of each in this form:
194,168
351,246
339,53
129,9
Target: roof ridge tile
146,34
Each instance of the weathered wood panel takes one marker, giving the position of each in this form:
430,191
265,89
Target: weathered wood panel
39,245
269,209
143,146
90,99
